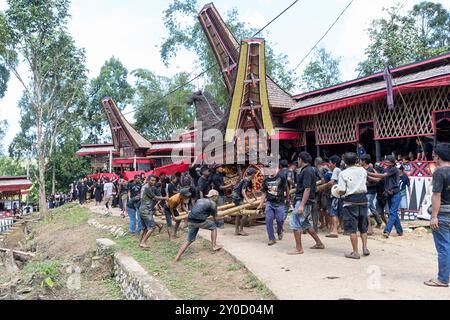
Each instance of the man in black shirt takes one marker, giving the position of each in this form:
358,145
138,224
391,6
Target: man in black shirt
198,219
305,193
204,183
392,188
440,214
238,195
371,194
172,187
219,184
276,190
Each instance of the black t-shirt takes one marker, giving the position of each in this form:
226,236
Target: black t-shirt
244,184
135,189
134,202
307,178
172,189
274,188
123,188
441,184
391,182
203,186
371,185
403,183
217,180
202,209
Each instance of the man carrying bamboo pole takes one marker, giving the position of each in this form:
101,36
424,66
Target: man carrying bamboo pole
305,194
149,199
239,195
170,210
198,218
274,188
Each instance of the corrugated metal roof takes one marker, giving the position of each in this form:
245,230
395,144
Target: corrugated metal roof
95,150
367,88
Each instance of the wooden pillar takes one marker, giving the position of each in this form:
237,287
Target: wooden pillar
318,150
377,150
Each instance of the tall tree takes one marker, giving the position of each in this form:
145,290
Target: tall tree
157,116
111,82
3,128
433,27
180,20
401,39
36,36
323,71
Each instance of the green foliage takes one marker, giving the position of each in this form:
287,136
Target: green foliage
3,129
189,35
11,167
68,216
158,117
396,39
53,76
111,82
323,71
45,273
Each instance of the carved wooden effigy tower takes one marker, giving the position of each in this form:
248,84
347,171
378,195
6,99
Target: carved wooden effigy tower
256,100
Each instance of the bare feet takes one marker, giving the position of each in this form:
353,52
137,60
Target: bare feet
144,246
295,252
217,248
242,233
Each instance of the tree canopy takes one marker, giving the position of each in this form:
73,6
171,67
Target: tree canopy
180,20
401,39
112,81
323,71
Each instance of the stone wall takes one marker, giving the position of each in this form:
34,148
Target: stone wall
135,282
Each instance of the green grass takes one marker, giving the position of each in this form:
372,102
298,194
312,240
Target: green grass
253,282
234,266
34,272
69,216
113,290
159,261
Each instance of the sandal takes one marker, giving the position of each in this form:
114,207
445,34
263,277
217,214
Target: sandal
435,283
366,252
352,255
331,235
317,246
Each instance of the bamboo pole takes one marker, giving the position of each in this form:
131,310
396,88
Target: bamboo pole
27,254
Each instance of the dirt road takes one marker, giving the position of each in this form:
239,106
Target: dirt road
395,269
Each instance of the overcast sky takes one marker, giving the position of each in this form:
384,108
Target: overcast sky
133,30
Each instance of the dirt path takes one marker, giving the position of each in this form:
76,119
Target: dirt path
395,269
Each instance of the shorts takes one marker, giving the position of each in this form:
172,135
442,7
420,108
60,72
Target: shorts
355,219
324,201
335,207
193,228
169,215
148,222
404,202
237,200
303,222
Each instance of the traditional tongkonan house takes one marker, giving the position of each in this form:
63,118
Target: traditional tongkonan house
129,149
332,120
12,189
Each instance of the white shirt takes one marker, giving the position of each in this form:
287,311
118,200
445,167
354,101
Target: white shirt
335,175
108,189
353,180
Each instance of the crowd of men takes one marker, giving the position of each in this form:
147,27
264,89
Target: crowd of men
349,194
